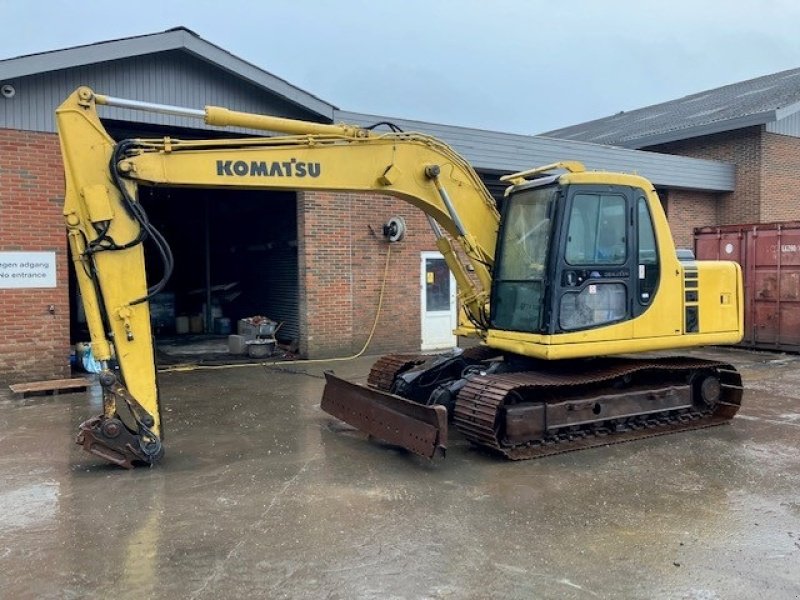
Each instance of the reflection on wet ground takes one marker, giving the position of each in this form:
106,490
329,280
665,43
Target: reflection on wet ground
261,494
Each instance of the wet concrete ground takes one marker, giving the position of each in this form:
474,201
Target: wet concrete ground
262,495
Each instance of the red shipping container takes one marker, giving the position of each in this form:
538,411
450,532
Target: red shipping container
769,254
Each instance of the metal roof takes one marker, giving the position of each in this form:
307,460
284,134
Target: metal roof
753,102
178,38
507,152
489,151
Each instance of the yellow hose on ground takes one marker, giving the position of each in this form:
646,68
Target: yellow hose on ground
183,368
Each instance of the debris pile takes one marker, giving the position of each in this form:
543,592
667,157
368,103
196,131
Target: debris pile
255,336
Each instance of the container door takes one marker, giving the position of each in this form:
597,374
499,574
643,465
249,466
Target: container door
438,302
776,288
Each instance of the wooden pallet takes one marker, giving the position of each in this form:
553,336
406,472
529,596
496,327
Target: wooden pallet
52,386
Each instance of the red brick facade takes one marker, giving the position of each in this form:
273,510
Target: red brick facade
780,173
686,210
341,251
767,167
34,343
342,258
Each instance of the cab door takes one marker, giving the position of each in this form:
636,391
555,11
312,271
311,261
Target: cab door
595,280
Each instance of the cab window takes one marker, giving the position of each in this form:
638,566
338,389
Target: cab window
648,254
597,232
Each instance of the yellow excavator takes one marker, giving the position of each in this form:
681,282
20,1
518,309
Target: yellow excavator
577,273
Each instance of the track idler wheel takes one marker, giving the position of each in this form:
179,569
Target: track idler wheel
710,390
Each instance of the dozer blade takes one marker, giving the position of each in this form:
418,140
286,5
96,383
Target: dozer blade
417,428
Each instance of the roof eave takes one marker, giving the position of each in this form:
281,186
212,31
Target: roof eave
677,135
219,57
785,111
178,39
44,62
496,152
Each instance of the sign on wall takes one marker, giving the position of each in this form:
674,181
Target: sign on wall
27,270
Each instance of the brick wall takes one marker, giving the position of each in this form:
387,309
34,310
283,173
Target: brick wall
34,344
689,209
780,178
342,257
742,147
767,167
341,266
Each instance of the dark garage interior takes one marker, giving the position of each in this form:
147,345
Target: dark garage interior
235,251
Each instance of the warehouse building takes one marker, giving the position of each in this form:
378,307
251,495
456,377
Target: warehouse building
312,260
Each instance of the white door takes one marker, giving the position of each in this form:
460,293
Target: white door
438,303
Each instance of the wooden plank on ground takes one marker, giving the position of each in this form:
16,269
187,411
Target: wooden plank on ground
53,386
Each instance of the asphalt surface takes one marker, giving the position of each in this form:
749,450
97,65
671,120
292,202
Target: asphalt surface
261,494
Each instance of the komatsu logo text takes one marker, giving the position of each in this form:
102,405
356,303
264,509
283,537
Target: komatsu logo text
255,168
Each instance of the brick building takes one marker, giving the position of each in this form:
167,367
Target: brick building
310,260
753,124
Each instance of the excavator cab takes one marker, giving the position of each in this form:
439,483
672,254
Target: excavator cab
585,265
572,258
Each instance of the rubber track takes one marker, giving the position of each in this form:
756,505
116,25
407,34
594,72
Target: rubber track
482,398
387,367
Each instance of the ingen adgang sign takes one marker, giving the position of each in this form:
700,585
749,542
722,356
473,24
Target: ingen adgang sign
27,270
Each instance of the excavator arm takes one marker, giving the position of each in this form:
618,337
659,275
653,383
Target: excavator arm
107,227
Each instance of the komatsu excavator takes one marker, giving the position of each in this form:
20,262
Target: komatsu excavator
579,270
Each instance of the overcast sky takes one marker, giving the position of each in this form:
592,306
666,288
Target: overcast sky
508,65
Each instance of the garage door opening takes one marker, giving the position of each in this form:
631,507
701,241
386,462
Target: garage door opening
235,257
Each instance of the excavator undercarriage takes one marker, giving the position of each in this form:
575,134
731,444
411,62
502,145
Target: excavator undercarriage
521,408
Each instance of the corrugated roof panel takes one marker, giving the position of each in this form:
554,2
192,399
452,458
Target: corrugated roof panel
754,102
495,151
172,77
178,38
787,126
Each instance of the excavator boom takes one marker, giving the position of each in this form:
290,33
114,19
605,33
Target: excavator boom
107,227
